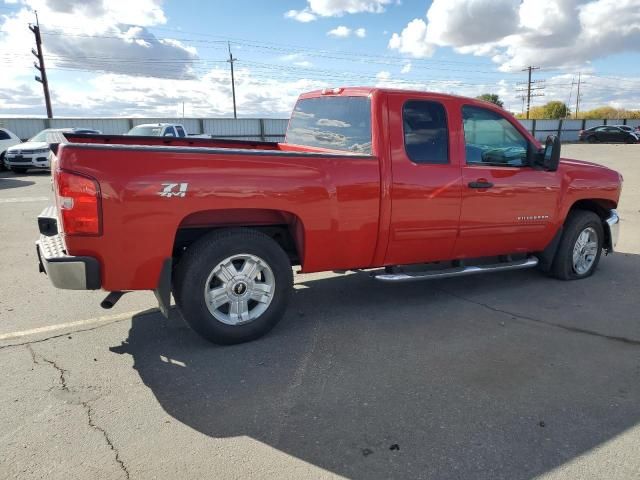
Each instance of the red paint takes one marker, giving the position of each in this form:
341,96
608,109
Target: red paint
344,212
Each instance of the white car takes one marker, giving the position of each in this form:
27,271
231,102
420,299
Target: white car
7,139
36,152
158,130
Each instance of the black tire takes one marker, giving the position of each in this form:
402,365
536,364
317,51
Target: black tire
592,139
19,170
576,223
631,139
199,261
2,167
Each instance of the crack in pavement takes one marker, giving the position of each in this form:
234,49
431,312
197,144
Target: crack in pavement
615,338
36,357
92,424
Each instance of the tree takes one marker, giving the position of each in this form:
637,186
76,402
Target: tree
555,109
491,97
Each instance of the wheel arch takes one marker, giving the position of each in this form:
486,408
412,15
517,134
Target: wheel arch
284,227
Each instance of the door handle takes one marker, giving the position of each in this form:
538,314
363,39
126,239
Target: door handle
480,184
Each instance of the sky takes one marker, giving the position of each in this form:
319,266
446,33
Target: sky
156,58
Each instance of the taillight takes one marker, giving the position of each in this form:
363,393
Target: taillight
79,203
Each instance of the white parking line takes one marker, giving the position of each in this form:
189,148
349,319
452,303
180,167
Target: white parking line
64,326
24,199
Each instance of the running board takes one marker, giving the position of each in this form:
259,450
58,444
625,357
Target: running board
529,262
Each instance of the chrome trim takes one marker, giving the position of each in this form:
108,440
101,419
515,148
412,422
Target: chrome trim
529,262
612,225
66,271
67,275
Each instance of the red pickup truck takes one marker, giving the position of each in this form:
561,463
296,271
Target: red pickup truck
366,178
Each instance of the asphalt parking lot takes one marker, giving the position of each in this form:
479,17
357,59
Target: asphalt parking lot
513,376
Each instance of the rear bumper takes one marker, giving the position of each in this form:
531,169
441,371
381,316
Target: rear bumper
612,227
65,271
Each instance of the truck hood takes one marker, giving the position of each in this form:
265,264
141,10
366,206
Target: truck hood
29,146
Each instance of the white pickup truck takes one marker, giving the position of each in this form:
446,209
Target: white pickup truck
158,130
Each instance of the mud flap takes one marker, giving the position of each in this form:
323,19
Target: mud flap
163,290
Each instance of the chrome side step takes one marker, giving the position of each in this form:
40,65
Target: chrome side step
529,262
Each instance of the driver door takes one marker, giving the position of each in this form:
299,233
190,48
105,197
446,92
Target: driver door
507,206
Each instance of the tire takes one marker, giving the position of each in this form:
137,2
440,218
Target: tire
2,167
564,265
214,263
19,170
631,140
592,139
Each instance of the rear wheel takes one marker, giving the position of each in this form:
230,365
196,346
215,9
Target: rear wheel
19,170
580,247
592,139
233,286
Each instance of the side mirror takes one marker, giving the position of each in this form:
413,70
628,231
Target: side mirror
551,154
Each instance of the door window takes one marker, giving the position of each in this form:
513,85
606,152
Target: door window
490,139
426,136
4,135
180,131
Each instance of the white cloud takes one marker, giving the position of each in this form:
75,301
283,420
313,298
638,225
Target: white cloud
303,63
340,32
345,32
303,16
336,8
79,35
406,68
413,40
516,33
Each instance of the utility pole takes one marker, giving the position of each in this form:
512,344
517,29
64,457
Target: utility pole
533,86
42,78
233,81
578,95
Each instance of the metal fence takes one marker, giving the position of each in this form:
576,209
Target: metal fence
269,129
568,130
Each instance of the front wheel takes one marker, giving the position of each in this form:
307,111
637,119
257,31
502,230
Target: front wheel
592,139
580,247
233,286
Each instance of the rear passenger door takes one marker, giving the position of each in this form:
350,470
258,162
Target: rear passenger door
426,181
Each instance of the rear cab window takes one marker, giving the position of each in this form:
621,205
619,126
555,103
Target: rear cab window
336,123
180,131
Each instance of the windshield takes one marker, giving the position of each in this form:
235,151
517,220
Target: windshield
146,131
338,123
40,137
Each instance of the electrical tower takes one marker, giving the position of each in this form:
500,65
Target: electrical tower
533,88
578,96
42,78
233,80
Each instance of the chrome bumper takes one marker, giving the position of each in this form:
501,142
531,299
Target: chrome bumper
612,231
64,270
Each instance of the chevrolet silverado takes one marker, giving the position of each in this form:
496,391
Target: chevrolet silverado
414,185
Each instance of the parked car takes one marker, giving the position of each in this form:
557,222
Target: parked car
158,130
366,178
607,133
630,129
7,139
35,152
